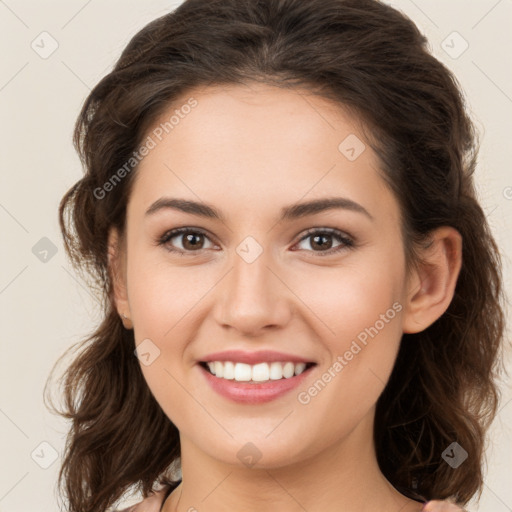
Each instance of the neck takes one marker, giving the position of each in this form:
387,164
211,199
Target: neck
344,477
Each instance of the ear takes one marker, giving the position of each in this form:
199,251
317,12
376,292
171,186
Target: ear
431,286
117,270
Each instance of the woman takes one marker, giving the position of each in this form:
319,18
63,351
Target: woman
279,208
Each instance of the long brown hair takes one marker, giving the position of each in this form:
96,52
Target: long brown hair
365,56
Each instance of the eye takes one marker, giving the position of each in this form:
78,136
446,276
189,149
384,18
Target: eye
192,240
321,238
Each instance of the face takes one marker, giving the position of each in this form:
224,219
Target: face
267,278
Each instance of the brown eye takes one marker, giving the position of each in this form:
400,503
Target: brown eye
191,240
321,241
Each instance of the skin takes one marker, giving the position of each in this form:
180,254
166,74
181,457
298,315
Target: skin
250,151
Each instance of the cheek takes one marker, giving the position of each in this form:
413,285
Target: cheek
358,313
346,301
162,301
161,296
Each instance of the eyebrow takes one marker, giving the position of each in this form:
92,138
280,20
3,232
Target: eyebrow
291,212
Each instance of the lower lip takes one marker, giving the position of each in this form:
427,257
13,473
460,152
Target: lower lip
243,392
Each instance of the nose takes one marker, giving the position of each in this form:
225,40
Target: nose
253,298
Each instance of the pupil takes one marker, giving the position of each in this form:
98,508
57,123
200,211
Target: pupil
189,239
317,237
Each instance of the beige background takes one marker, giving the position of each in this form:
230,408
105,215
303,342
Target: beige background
45,308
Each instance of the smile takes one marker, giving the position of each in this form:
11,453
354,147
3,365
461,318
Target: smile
254,384
261,372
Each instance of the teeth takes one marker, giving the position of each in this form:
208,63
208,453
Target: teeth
299,368
242,372
219,369
260,372
229,370
276,371
288,370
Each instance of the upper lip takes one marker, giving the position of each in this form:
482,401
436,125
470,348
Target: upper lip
262,356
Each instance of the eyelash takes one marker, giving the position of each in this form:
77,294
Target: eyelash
347,242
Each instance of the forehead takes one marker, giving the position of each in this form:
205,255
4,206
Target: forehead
254,146
256,113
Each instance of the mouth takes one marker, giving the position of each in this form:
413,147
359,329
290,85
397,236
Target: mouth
257,373
254,384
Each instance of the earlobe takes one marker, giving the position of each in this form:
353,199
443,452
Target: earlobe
117,275
432,286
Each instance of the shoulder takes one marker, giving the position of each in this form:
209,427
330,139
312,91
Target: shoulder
152,503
